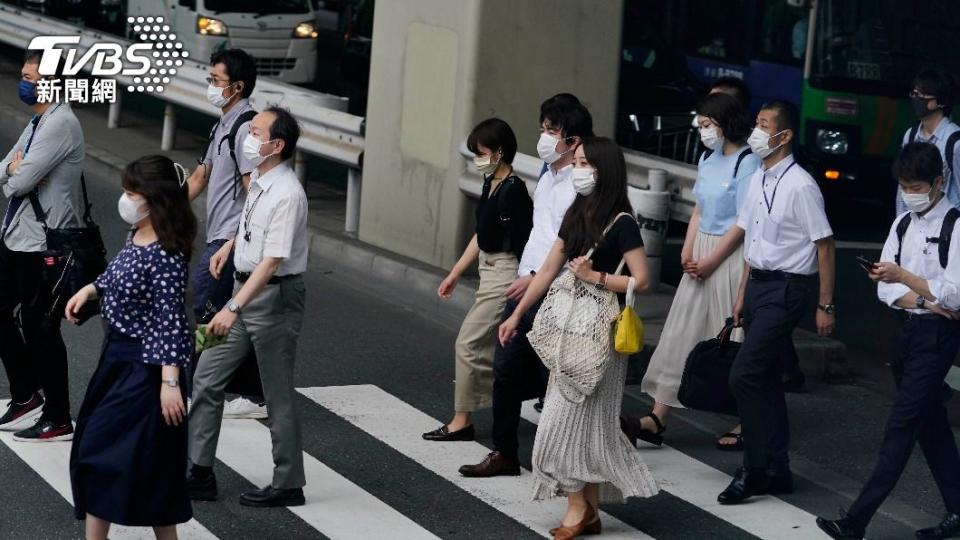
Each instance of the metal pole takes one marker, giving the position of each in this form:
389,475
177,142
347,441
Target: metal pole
169,128
113,116
352,222
300,166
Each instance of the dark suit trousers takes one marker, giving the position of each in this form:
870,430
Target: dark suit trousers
772,309
926,348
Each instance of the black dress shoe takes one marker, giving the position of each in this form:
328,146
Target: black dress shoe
495,464
272,497
202,488
746,483
781,482
948,528
841,529
444,434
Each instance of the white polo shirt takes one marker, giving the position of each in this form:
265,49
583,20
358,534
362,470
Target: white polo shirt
782,217
273,222
551,199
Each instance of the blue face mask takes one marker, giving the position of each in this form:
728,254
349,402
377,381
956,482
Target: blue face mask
26,91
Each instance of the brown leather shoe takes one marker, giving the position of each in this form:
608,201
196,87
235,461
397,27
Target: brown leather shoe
495,464
589,523
592,529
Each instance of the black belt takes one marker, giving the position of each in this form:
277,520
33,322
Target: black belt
905,315
779,275
242,277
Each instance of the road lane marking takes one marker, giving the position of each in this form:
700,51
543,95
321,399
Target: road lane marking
699,484
335,506
398,424
52,462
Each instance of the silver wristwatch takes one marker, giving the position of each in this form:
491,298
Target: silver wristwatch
172,383
233,307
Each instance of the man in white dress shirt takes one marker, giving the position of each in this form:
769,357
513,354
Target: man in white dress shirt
787,242
919,277
518,373
265,314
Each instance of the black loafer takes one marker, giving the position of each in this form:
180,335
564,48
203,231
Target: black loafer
269,497
444,434
746,483
841,529
948,528
202,488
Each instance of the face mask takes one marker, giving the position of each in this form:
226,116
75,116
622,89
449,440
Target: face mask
547,148
485,164
920,107
251,150
710,139
759,142
26,90
215,96
584,180
129,208
917,202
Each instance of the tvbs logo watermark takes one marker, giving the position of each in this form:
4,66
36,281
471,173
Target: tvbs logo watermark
147,65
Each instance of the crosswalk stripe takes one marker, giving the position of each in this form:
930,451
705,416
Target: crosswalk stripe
335,506
698,484
52,462
397,424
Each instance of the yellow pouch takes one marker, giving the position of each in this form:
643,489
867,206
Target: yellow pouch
628,337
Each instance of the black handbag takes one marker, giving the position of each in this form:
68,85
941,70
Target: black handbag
74,258
705,384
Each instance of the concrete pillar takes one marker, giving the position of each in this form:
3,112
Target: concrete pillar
169,128
113,114
352,221
438,68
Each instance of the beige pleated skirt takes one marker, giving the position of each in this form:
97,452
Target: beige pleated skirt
697,314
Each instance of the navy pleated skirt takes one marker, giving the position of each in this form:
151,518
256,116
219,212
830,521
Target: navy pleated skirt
127,466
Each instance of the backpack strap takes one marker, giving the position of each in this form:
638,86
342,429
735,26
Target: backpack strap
902,226
913,133
946,234
951,146
41,216
745,153
704,155
231,139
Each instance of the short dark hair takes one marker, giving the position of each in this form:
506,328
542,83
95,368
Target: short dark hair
494,134
33,56
939,83
572,121
240,66
286,128
556,108
918,162
729,114
787,115
736,87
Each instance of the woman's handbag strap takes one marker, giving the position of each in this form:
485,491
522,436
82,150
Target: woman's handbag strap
605,231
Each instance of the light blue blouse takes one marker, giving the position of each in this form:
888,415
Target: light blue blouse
719,194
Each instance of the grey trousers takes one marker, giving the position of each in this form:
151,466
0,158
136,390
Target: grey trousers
271,326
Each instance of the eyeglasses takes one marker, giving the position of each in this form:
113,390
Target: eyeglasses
215,81
918,94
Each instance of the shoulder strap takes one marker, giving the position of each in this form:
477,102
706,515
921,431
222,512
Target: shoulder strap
231,139
206,147
951,146
745,153
913,133
902,226
704,155
607,230
946,234
41,216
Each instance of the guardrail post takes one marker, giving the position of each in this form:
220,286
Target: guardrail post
352,222
653,214
300,166
113,115
169,128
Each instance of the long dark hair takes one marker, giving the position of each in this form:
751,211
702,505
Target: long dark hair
583,224
158,181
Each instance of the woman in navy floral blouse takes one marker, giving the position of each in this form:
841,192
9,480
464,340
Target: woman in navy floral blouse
131,431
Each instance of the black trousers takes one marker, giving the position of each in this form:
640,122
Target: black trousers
926,348
31,346
518,375
772,310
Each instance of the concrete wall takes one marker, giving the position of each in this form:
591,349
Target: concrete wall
440,66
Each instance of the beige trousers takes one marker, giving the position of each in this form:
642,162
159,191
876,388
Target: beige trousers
476,341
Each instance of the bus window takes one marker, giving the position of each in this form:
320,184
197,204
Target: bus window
715,30
782,33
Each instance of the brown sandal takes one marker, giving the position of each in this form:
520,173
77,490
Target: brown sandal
735,447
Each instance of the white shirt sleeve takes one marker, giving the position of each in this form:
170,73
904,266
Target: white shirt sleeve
811,213
889,293
946,290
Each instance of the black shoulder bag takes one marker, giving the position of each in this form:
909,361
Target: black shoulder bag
705,385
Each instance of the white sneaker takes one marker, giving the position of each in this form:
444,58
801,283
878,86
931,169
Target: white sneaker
244,408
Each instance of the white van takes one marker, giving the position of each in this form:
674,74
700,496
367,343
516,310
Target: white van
280,34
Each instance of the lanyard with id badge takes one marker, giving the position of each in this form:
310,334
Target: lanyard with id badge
771,228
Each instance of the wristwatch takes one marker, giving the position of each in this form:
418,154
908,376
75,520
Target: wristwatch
172,383
602,283
921,302
233,307
829,309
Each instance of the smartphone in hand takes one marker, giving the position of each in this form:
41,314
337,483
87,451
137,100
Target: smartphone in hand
866,263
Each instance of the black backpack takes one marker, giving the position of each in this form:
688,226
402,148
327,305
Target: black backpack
942,241
231,139
951,144
736,168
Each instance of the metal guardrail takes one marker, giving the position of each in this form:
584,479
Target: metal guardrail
327,131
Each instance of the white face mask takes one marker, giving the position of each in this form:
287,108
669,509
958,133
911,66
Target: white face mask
584,180
759,142
129,208
918,202
251,150
215,96
547,148
710,138
485,164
